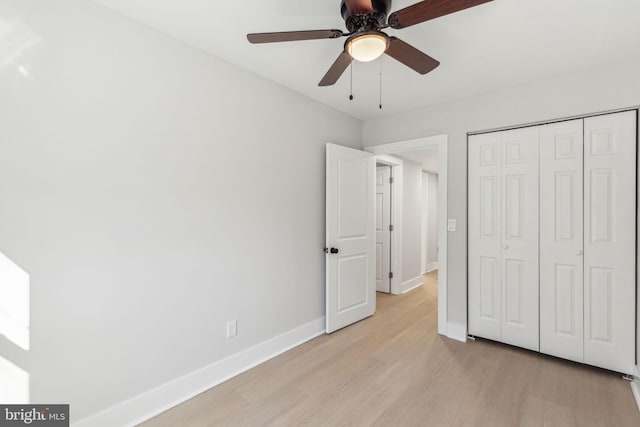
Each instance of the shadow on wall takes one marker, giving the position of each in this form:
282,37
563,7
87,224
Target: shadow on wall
14,326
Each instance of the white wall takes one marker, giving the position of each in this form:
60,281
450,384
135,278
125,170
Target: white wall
610,87
429,221
152,193
424,222
411,220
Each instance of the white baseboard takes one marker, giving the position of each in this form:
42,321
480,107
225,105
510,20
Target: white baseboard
411,284
457,332
151,403
431,267
635,386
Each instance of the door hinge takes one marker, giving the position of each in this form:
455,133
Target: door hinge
390,275
390,180
390,227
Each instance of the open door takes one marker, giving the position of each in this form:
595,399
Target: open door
350,243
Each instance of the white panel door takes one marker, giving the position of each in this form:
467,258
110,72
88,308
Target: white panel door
609,234
350,236
484,224
520,267
383,233
561,240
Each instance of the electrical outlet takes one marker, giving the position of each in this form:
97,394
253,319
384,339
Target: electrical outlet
451,225
232,328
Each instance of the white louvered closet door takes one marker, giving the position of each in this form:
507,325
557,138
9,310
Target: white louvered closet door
609,240
561,242
503,236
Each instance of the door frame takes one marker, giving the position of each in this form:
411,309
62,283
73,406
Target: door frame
441,141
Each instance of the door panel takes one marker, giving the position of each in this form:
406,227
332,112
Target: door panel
350,270
352,200
350,228
610,232
520,237
489,287
567,301
561,242
484,236
601,310
513,289
488,206
383,235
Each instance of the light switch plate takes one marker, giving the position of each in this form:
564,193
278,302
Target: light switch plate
451,225
232,328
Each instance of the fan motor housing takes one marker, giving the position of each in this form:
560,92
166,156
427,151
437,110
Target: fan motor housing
373,20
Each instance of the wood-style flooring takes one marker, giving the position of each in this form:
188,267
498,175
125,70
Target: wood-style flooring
393,369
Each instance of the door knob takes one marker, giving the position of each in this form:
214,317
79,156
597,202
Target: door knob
505,246
578,253
334,250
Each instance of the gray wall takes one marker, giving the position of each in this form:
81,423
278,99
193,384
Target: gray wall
411,220
152,193
430,225
610,87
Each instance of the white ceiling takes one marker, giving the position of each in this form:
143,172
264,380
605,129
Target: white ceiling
426,157
495,45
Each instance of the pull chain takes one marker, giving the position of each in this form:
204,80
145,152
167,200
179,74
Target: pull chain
380,105
351,82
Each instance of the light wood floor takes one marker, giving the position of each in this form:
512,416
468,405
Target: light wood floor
393,369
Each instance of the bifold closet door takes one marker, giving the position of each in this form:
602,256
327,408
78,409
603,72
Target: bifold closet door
484,231
503,236
610,240
561,242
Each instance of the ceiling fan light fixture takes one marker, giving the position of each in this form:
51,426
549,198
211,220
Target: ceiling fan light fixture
367,46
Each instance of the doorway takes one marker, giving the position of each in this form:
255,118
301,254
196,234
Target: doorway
384,227
399,156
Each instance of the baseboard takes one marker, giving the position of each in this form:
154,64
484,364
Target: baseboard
151,403
457,332
635,386
432,266
411,284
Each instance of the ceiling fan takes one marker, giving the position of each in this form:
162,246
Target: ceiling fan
365,20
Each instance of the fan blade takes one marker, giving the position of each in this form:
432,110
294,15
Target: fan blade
410,56
290,36
359,7
336,69
429,9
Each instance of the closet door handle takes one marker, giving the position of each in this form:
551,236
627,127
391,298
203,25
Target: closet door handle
579,253
505,246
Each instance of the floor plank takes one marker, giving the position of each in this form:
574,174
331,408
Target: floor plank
393,369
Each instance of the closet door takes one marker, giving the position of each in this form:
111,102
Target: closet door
503,236
561,242
484,228
609,233
520,267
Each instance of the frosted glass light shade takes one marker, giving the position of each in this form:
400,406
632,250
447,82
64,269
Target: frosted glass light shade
367,47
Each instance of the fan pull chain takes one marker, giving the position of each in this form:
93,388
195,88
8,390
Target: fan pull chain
380,105
351,82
